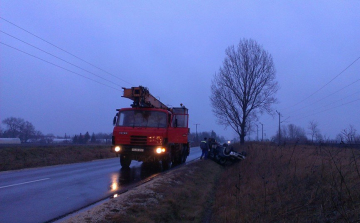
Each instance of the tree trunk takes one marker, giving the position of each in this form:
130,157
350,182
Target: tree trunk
242,134
242,139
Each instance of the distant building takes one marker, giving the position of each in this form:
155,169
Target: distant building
61,141
10,141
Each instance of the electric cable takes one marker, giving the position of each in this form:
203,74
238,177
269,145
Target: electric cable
58,66
326,96
300,116
64,50
329,109
59,58
326,83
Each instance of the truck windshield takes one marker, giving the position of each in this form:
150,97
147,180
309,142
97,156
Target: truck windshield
142,118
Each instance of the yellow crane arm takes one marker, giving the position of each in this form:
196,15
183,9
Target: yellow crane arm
141,97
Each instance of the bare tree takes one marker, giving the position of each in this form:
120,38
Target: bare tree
244,86
291,133
18,127
349,134
296,133
13,126
27,131
314,131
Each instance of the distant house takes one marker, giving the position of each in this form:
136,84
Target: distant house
61,141
10,141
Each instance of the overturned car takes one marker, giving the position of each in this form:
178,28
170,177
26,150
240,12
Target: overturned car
223,154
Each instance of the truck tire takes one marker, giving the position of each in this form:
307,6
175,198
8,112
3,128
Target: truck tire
178,158
125,161
183,158
165,163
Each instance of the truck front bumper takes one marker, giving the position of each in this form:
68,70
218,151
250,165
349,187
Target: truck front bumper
141,153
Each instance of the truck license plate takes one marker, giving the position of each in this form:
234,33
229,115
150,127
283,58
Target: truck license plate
137,150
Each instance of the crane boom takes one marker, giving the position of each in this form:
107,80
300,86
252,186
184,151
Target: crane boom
141,97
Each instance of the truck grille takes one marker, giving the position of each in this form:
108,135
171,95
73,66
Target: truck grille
138,140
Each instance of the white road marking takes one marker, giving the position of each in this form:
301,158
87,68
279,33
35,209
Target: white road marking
28,182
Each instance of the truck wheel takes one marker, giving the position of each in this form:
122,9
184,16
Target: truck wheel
125,161
165,163
183,158
178,159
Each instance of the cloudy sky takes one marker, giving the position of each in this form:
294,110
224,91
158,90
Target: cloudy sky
63,63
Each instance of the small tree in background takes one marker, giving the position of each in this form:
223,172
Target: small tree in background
93,138
81,139
18,128
244,86
75,139
291,133
314,131
349,134
86,137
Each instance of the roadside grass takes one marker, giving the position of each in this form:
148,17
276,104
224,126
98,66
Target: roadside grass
289,183
19,157
185,196
292,183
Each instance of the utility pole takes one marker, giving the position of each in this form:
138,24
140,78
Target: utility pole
262,131
257,132
197,137
279,127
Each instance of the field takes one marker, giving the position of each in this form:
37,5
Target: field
291,183
19,157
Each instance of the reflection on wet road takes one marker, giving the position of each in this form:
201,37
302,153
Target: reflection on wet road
25,195
141,171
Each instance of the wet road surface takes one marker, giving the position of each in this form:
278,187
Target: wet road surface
43,194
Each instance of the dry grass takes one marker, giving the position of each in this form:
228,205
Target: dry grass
185,196
291,184
19,157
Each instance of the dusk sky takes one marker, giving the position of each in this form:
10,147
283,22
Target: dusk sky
63,63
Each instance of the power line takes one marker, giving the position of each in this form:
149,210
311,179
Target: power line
58,66
328,96
59,58
63,50
331,103
326,83
329,109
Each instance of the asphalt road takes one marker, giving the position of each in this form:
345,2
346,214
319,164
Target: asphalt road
43,194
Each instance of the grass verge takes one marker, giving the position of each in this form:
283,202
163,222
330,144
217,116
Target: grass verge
291,184
185,195
19,157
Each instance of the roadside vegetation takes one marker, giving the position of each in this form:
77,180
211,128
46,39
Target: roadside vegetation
288,183
292,183
14,157
186,195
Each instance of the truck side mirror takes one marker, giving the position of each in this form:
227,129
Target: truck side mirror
114,120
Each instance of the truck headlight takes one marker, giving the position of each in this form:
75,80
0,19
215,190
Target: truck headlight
117,148
160,150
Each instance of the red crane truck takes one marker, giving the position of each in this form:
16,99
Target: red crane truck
150,131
